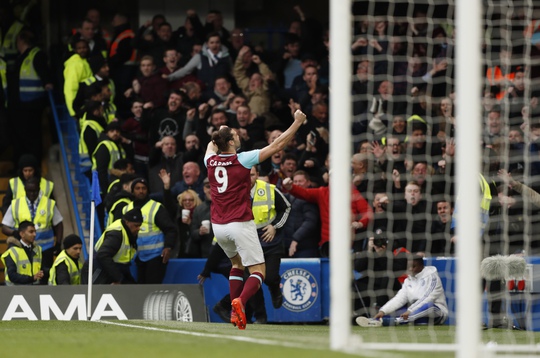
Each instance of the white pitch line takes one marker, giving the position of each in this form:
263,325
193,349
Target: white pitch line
210,335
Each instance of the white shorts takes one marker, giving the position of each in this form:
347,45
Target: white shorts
240,238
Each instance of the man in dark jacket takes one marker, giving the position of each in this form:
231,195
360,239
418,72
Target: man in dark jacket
114,251
158,235
302,230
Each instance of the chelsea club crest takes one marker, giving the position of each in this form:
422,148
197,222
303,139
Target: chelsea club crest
300,289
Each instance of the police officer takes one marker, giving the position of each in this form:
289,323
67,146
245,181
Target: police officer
22,259
66,269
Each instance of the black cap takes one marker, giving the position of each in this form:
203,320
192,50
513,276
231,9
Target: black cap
114,125
28,160
134,216
138,180
71,240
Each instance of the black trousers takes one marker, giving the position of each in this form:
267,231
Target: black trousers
151,271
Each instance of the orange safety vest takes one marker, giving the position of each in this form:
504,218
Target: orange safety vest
494,75
114,47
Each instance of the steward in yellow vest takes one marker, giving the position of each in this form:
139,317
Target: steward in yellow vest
43,213
92,126
66,269
157,237
22,260
108,151
76,70
115,250
28,167
116,201
270,212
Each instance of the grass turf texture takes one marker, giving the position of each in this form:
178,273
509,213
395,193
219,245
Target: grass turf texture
96,339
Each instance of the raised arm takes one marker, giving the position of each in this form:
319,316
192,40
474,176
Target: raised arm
281,142
211,148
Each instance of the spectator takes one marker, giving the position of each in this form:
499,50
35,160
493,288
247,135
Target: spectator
168,120
221,94
360,210
250,128
379,273
202,236
302,230
96,44
289,64
255,88
122,57
187,201
441,243
192,33
150,87
287,166
191,179
214,24
211,63
132,129
412,219
166,157
157,46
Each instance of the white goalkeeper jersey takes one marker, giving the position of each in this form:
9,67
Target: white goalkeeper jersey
425,287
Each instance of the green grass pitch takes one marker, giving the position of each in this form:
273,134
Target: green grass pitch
175,339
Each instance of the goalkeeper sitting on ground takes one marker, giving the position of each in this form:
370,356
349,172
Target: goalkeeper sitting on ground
422,292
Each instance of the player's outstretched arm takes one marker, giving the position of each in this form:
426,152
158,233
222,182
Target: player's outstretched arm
211,148
281,142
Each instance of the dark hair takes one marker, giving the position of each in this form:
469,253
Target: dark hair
32,180
164,24
27,36
222,137
127,178
289,156
418,259
380,242
24,225
158,16
121,164
213,34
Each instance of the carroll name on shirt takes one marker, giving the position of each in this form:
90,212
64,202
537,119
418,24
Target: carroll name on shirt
215,163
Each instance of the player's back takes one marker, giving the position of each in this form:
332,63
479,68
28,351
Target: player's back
230,185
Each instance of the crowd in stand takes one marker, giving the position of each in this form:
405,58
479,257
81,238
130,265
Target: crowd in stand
147,100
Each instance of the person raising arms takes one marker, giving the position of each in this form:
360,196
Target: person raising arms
231,213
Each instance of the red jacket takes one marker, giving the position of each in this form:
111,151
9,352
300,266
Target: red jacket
360,209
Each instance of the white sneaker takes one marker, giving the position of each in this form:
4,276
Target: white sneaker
368,322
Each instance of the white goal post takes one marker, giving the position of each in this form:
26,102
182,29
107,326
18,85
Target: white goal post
468,20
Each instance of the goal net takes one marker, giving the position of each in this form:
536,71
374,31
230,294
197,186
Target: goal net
451,143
